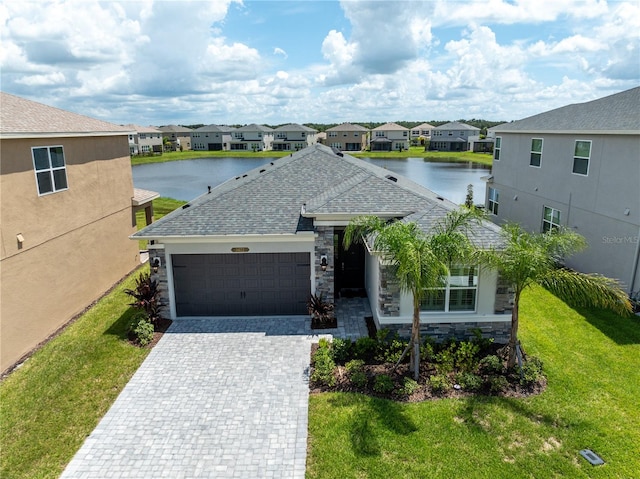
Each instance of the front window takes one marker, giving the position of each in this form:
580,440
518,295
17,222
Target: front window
380,134
536,152
459,293
550,219
333,134
404,133
494,197
496,148
50,169
581,155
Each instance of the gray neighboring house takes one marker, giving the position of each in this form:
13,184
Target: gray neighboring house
179,136
146,139
211,138
347,137
261,243
453,136
251,138
578,167
293,137
389,137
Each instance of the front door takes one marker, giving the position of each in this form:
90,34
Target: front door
349,265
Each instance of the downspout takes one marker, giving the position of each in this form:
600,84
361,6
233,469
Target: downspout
634,271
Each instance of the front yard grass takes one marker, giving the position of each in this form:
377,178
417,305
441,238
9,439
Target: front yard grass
53,402
592,362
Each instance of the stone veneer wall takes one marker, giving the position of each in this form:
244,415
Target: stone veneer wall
325,280
388,293
462,331
160,276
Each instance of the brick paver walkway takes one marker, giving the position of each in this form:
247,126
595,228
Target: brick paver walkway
215,398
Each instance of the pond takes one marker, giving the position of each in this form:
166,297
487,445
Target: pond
187,179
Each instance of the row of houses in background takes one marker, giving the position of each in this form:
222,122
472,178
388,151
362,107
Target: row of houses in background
453,136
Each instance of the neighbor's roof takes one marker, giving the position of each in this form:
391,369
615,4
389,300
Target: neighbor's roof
423,126
614,114
456,125
215,128
283,197
295,127
22,118
254,127
174,129
347,127
143,129
390,127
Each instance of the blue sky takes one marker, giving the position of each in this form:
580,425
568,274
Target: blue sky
156,62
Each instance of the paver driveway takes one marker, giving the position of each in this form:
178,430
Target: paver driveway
223,398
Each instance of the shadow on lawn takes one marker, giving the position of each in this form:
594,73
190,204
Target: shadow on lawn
621,330
371,414
120,327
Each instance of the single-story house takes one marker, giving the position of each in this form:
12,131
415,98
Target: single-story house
261,243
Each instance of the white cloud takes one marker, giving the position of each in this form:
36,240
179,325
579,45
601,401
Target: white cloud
56,78
280,51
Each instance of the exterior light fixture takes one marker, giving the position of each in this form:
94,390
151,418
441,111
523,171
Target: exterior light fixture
155,264
323,262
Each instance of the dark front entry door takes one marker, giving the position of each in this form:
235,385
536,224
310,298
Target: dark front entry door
349,265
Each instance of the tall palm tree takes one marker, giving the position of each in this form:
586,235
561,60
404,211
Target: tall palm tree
535,258
419,261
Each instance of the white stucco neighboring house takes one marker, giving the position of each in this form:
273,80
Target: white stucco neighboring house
389,137
293,137
144,139
251,138
261,243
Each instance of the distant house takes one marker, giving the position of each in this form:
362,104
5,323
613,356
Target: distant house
261,243
421,134
480,144
179,137
251,138
347,137
144,139
453,136
389,137
67,214
211,138
293,137
578,167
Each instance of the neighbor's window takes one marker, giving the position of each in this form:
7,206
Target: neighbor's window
50,169
333,134
459,293
496,148
581,156
550,219
536,152
494,196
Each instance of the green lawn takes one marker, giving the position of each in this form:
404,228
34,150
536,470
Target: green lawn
413,152
592,361
54,401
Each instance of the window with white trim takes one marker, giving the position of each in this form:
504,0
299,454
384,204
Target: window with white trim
550,219
459,293
496,148
50,169
494,197
333,134
535,158
581,156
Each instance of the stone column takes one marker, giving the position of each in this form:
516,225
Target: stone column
325,280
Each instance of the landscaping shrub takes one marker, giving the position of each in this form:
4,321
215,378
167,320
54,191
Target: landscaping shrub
409,386
358,379
531,371
390,352
146,297
445,360
355,365
383,384
427,350
491,365
323,366
439,383
365,348
498,384
341,350
466,356
469,381
485,344
142,329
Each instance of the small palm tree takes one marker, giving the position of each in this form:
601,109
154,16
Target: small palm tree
535,258
420,261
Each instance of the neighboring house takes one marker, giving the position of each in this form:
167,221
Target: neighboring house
389,137
211,138
261,243
578,167
347,137
293,137
480,144
179,137
144,139
67,214
453,136
421,134
251,138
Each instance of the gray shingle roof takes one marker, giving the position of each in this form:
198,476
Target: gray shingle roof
347,127
295,127
270,199
175,129
456,125
618,113
22,117
215,129
390,127
254,127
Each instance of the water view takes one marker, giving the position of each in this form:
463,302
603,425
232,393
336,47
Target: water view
187,179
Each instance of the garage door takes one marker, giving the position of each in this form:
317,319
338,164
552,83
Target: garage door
247,284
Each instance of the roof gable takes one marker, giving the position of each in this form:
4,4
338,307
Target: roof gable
390,127
456,125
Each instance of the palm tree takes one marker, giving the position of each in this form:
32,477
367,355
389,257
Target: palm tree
420,261
535,258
